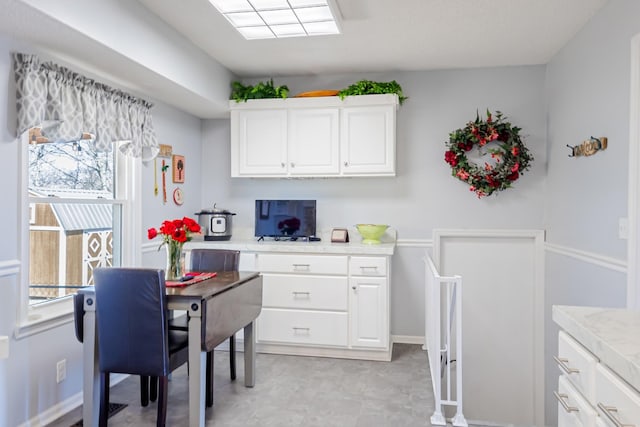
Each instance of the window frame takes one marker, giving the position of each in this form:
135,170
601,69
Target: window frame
32,319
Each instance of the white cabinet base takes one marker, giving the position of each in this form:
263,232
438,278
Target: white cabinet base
340,353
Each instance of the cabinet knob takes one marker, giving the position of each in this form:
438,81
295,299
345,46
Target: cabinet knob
346,164
354,287
293,165
282,164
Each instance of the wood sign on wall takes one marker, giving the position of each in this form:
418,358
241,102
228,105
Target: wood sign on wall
178,168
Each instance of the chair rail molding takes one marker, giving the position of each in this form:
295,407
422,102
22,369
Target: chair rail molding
10,267
588,257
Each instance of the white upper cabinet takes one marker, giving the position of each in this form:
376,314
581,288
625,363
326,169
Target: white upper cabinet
260,147
369,140
314,137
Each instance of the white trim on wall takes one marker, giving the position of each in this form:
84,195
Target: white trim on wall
588,257
9,267
633,252
414,243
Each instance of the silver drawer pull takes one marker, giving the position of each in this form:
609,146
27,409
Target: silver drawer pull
368,267
298,329
561,398
608,411
298,293
301,267
563,364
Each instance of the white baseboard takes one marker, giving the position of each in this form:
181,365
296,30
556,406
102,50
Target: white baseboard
63,408
407,339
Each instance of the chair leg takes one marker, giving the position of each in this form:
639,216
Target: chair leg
144,390
232,356
104,399
162,400
153,388
209,380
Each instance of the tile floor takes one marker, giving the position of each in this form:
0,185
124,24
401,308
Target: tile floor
296,391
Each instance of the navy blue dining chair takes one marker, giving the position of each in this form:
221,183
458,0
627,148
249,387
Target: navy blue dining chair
210,260
133,332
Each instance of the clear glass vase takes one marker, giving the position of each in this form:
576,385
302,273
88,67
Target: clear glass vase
173,270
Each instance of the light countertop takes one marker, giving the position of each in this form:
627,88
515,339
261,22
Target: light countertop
323,247
243,240
612,335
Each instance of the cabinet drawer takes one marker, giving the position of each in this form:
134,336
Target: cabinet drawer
304,292
573,409
616,400
578,364
302,327
303,264
368,266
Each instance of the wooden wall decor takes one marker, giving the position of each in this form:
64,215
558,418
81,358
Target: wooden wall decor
178,168
589,147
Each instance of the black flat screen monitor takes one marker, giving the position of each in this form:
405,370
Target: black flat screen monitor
285,219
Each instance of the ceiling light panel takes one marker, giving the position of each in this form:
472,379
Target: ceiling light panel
321,28
307,3
256,19
226,6
245,19
277,17
254,33
314,14
290,30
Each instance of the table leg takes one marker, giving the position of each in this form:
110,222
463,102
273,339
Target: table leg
249,356
197,371
91,374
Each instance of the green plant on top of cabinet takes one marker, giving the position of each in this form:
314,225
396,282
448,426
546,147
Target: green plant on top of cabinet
368,87
262,90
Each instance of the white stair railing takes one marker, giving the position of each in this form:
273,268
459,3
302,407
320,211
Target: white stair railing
443,324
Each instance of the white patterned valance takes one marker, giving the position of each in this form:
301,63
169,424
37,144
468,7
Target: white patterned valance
65,104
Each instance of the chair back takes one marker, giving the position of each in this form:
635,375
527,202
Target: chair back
214,260
131,312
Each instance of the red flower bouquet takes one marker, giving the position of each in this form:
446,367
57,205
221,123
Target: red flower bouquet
174,234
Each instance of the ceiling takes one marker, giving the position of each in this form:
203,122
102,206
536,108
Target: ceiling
392,35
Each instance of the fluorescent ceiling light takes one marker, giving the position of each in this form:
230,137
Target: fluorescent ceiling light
260,19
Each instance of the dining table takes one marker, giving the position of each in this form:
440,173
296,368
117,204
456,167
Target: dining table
217,308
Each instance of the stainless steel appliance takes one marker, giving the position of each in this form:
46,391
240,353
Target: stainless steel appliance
216,223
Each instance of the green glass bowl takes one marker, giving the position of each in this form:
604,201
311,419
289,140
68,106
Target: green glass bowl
371,233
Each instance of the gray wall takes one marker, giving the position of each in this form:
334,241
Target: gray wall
587,86
423,196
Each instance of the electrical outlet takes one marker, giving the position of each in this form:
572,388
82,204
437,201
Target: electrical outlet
61,370
623,228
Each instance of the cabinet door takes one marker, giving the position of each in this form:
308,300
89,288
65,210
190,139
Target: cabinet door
368,140
313,141
617,402
259,143
573,409
368,312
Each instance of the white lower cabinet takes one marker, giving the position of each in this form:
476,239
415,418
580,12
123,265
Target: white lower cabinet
618,404
573,409
324,305
589,393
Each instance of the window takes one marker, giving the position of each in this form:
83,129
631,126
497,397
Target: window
77,202
71,191
72,185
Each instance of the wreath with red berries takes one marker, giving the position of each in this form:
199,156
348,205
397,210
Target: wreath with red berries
495,137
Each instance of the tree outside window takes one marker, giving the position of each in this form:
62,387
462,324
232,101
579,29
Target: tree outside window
71,192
